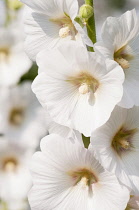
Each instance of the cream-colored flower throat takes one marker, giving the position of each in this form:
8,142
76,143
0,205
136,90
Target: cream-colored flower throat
123,57
9,164
16,116
122,141
83,177
67,27
85,82
128,208
4,53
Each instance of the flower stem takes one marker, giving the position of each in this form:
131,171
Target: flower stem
90,25
7,13
86,141
89,2
4,205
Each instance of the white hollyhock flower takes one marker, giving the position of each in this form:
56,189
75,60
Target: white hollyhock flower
67,176
133,203
13,61
116,145
15,179
49,23
21,116
77,87
120,42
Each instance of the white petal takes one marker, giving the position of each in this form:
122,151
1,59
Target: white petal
42,6
118,31
41,32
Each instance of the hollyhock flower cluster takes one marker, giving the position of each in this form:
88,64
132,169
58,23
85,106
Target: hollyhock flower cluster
21,115
89,92
22,125
22,121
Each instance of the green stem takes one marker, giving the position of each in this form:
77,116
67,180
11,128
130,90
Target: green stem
4,205
7,13
90,25
86,141
89,2
91,30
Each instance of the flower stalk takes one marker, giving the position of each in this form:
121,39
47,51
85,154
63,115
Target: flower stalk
90,25
91,30
7,12
3,205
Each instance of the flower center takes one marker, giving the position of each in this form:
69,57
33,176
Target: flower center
4,53
122,140
128,208
16,116
123,57
85,82
130,205
9,164
67,27
83,177
84,88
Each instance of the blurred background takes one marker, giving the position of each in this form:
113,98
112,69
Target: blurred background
22,120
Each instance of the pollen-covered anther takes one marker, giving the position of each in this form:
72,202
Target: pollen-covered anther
4,53
124,144
84,182
64,32
84,88
83,177
9,164
16,116
122,141
123,62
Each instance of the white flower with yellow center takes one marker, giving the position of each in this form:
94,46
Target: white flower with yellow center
21,116
15,179
51,23
67,176
77,87
116,145
13,60
120,42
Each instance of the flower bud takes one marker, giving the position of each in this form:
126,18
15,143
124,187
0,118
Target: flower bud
14,4
86,11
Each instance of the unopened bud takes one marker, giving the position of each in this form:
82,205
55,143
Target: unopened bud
14,4
86,11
